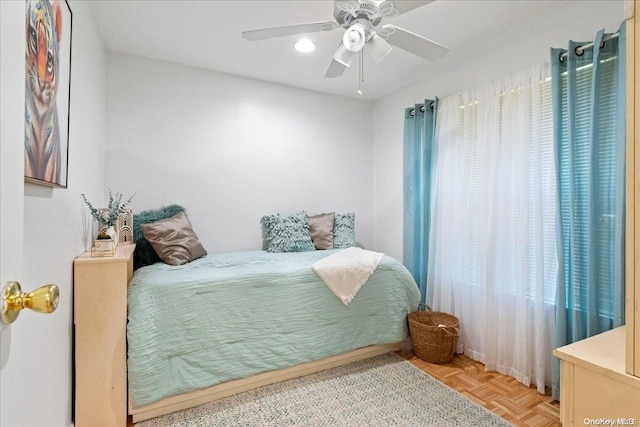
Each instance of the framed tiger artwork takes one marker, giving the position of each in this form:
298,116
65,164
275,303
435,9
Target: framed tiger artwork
48,91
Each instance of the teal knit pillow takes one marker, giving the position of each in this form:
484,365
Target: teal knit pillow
144,253
287,233
344,234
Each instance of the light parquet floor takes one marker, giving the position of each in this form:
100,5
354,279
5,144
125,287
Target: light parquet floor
503,395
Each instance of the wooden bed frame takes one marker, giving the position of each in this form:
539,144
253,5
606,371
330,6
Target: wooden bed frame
229,388
100,323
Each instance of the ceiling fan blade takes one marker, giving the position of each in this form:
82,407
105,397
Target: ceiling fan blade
335,69
414,43
289,30
392,8
378,48
343,55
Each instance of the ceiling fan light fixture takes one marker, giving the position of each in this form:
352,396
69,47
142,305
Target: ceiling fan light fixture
378,48
362,20
343,56
305,46
354,38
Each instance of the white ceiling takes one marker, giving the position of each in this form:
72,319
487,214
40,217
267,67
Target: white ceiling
207,34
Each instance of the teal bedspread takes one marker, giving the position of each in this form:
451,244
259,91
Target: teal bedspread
234,315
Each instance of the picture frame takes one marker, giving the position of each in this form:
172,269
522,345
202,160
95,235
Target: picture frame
47,92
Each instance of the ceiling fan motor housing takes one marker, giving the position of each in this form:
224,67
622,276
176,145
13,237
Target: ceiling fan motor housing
348,12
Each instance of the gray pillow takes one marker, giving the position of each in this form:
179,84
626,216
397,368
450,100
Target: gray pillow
173,240
287,233
144,253
344,234
321,230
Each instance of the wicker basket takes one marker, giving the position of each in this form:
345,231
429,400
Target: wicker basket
433,343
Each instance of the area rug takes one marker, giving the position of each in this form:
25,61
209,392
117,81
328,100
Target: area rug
382,391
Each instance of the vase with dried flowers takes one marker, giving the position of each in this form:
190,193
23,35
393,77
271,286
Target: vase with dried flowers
109,216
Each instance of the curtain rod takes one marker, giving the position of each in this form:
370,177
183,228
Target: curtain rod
413,110
580,49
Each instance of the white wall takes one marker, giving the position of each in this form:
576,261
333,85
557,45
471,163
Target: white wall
51,231
517,50
231,149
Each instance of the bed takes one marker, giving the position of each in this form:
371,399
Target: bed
226,323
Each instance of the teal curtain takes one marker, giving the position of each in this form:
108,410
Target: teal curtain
419,130
588,89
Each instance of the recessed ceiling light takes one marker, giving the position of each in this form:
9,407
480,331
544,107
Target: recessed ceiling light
305,46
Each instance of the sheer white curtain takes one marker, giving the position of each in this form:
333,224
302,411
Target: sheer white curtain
493,260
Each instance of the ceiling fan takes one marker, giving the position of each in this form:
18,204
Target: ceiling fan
362,21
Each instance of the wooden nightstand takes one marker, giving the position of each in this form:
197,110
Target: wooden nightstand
100,319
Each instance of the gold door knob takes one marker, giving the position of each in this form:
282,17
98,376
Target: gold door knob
43,300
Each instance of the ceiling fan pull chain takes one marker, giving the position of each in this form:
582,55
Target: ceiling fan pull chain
361,73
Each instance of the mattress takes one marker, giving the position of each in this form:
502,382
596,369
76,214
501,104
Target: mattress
230,316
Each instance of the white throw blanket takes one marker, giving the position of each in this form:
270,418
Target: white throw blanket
346,271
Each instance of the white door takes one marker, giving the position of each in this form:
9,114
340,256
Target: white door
14,399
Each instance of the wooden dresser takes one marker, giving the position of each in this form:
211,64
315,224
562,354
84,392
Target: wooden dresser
100,320
594,384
